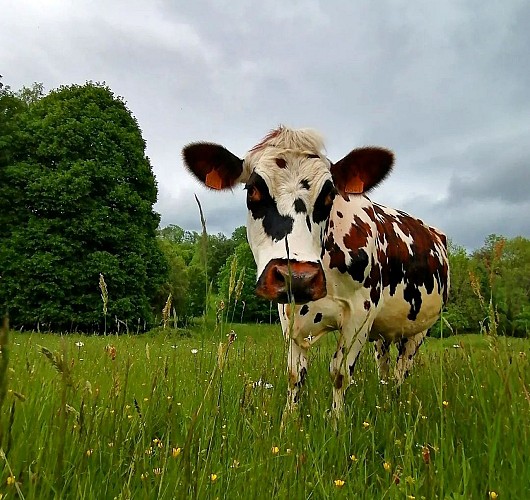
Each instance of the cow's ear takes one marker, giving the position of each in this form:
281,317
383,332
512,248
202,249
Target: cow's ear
362,169
212,164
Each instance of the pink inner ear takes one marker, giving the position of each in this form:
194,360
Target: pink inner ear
355,185
213,180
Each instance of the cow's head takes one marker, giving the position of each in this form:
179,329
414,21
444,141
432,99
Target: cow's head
290,188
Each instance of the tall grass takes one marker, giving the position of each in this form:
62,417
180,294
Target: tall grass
171,417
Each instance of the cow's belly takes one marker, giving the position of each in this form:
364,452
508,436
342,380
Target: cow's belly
392,320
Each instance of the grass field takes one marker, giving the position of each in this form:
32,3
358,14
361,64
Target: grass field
168,415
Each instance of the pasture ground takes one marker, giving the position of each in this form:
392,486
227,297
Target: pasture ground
165,415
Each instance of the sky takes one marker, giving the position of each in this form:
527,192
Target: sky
445,85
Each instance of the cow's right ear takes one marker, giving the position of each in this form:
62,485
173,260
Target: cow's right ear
212,164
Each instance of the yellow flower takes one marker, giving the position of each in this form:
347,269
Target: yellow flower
175,452
339,483
445,404
275,450
366,424
411,497
493,495
387,466
10,480
213,477
89,452
144,475
353,458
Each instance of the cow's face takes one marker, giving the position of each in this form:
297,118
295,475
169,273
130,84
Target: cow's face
289,199
290,189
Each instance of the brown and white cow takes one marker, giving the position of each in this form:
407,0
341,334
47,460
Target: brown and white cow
330,257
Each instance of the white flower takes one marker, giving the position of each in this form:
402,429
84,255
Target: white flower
194,351
456,346
79,344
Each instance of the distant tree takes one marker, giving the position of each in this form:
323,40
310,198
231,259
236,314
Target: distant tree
502,282
463,312
248,307
76,200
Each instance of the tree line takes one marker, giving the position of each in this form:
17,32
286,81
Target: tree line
81,248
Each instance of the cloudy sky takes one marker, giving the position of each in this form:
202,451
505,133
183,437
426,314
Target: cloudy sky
444,84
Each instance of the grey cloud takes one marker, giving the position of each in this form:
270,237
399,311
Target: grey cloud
445,85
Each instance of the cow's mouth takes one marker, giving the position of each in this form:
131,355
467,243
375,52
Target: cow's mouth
287,281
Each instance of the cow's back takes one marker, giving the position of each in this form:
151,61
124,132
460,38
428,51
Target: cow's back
414,273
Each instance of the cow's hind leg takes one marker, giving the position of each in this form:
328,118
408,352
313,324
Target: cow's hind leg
382,358
407,348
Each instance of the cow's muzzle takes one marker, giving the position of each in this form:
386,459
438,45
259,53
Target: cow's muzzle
291,281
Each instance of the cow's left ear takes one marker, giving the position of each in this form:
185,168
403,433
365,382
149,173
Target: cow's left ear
362,169
213,165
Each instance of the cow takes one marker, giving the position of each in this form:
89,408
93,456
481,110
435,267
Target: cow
330,257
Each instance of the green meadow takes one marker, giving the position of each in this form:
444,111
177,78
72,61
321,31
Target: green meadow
196,414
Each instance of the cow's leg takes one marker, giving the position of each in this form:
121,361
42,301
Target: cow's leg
342,365
407,348
297,371
382,358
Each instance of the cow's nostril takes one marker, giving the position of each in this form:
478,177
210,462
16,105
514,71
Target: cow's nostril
279,274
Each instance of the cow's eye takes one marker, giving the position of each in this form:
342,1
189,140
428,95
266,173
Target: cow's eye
328,200
253,193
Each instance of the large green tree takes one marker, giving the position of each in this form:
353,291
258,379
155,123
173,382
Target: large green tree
76,200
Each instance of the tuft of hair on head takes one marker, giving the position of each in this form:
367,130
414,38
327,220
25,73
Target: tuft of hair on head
304,139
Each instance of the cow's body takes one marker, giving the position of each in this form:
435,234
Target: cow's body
332,258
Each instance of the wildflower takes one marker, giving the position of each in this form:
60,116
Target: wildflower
411,497
288,451
353,458
426,454
149,451
410,480
79,344
232,336
174,346
339,483
175,452
111,444
366,424
157,471
235,464
111,351
10,480
194,351
89,452
493,495
213,477
144,475
445,403
387,466
275,450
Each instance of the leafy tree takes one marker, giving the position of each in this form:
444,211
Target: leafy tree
76,198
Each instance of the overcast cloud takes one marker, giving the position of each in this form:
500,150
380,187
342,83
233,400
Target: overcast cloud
443,84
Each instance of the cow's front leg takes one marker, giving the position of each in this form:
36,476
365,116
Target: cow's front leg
297,371
342,365
382,358
407,349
